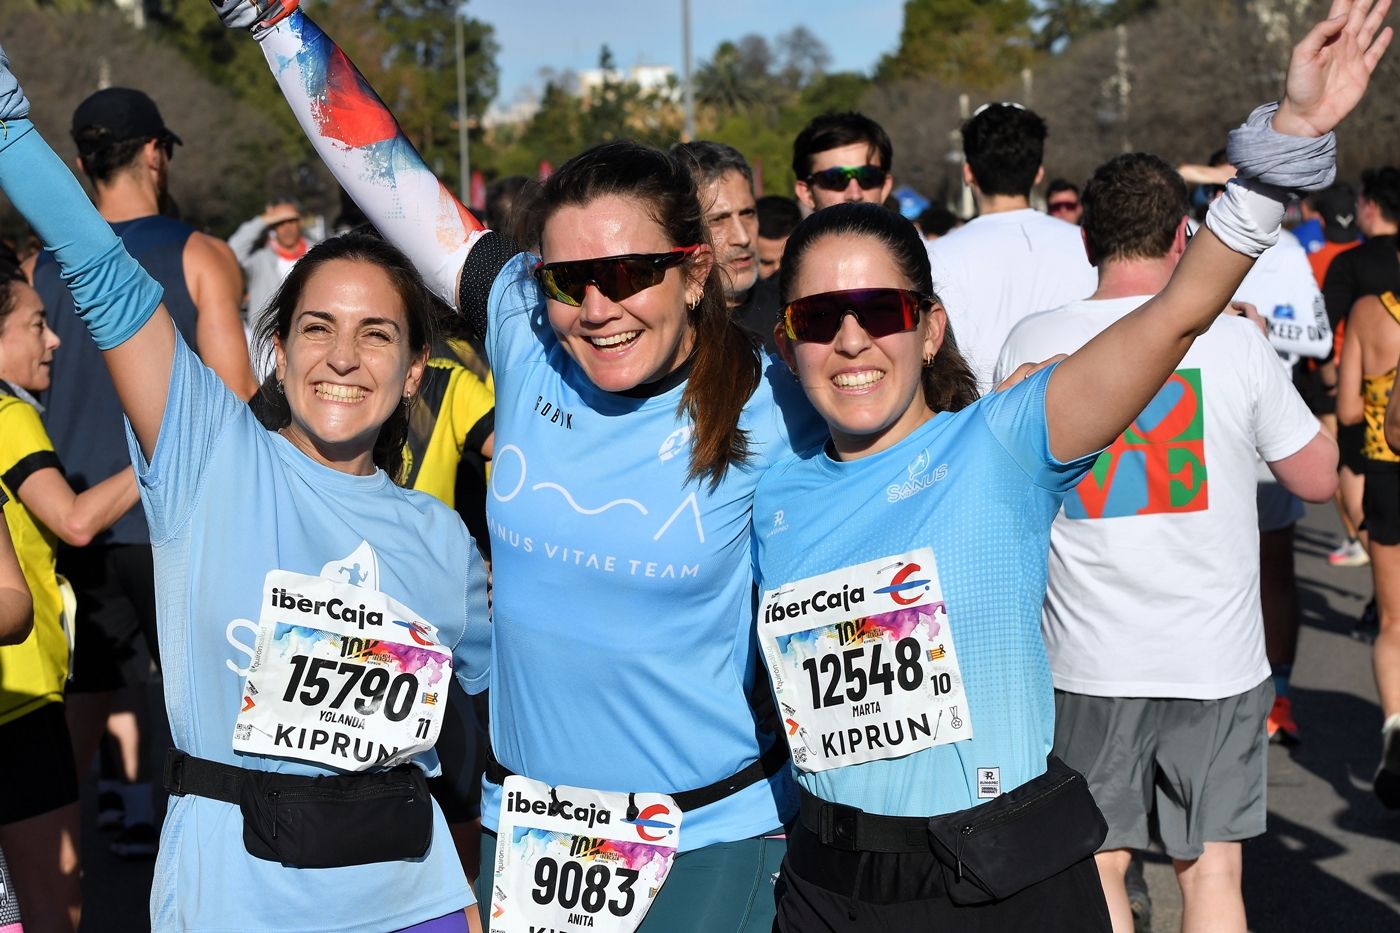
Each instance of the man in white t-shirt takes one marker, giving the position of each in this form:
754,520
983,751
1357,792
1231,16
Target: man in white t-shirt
1152,615
1010,261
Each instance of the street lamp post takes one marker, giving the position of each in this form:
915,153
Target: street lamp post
464,184
685,67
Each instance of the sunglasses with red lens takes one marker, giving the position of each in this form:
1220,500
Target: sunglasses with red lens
617,277
836,179
881,311
1062,207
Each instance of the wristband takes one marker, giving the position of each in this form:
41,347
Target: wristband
111,292
1301,163
1248,216
13,103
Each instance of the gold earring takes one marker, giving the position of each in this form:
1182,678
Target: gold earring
928,359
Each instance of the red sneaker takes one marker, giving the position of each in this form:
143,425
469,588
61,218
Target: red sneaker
1282,729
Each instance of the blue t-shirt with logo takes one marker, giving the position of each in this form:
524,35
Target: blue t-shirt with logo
623,650
228,501
980,488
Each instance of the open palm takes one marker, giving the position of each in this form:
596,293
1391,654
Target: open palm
1331,67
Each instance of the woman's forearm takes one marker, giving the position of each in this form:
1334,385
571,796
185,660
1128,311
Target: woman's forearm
96,509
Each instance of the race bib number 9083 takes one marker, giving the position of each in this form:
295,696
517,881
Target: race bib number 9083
571,859
863,662
342,676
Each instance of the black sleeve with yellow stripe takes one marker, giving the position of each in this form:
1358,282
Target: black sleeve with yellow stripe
25,448
455,413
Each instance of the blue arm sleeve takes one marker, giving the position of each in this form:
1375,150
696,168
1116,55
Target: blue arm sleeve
113,295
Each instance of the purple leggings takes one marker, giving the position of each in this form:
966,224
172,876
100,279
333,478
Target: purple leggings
455,922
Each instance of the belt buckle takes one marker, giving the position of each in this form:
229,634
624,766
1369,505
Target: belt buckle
175,771
840,825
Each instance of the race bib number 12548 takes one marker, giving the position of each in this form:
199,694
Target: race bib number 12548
863,662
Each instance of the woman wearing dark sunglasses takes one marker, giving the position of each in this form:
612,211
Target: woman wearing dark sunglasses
633,784
902,565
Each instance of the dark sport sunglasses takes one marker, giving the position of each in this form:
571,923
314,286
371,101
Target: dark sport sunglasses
836,179
881,311
617,277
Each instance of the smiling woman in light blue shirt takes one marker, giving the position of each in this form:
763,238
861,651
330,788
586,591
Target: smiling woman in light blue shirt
289,559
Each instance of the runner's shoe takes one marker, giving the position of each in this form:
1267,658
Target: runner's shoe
1387,783
1139,900
1349,554
1282,729
1369,625
111,811
137,841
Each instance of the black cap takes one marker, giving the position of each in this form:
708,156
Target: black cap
120,113
1337,207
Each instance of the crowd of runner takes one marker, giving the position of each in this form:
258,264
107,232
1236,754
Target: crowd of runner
644,554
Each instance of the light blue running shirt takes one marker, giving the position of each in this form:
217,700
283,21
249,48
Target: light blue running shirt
623,651
228,501
980,488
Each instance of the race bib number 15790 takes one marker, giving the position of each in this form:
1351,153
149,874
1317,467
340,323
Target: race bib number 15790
342,676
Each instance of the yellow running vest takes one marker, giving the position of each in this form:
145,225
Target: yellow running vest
33,672
1375,394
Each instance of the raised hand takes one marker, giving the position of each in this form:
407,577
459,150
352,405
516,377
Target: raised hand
13,103
252,14
1331,67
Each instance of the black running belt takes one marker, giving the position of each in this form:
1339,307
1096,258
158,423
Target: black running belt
854,830
767,765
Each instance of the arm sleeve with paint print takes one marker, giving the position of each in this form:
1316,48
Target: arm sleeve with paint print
357,137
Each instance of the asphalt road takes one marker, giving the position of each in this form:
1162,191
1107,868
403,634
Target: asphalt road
1330,861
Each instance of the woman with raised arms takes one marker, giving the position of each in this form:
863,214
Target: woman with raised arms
633,420
299,774
919,702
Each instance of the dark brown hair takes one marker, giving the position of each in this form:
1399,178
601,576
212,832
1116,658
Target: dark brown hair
102,161
948,382
10,272
270,403
1004,145
1132,207
834,130
725,366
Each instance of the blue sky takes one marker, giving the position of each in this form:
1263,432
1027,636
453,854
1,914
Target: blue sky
566,34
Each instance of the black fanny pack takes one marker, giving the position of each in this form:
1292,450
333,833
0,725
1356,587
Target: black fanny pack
988,852
1022,837
316,822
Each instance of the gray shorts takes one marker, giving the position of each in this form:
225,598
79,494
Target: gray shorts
1182,772
1278,508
